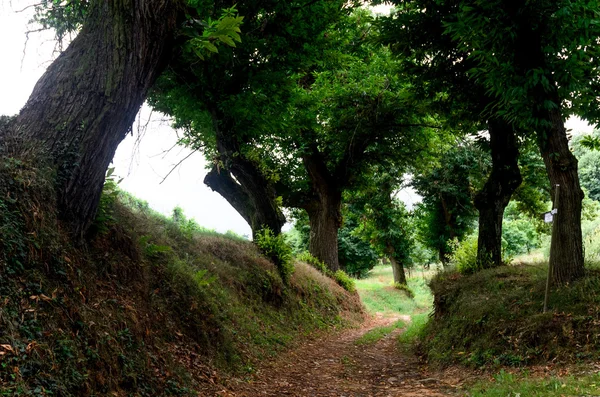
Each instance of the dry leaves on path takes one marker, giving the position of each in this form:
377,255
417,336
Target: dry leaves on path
336,366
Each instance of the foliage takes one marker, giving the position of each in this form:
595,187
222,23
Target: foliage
357,257
589,164
345,281
275,248
464,255
520,233
110,191
447,211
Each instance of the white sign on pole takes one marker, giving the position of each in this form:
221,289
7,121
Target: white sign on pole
548,216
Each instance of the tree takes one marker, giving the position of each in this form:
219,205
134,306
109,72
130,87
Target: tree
440,77
86,101
539,59
447,211
224,106
385,220
307,119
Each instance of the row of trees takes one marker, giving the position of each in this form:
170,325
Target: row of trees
315,102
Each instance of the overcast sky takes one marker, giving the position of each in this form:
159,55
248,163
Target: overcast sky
142,166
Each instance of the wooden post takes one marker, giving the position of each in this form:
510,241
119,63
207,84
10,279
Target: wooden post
555,221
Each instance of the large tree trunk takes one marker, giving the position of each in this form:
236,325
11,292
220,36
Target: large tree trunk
255,202
325,219
241,182
86,102
566,247
324,210
491,201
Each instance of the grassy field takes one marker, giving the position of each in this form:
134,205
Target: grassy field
379,295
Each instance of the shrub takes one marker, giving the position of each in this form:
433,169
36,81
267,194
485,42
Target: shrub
275,248
340,276
345,281
314,262
464,255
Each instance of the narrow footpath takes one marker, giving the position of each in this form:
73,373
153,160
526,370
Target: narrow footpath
337,366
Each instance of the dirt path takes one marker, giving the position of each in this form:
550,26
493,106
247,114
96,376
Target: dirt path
336,366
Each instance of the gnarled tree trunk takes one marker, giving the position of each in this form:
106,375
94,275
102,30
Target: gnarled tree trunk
241,182
254,201
491,201
324,211
86,102
566,247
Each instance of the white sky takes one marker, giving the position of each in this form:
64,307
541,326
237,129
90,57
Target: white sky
142,167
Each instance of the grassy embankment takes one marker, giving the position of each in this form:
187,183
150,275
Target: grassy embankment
493,320
147,307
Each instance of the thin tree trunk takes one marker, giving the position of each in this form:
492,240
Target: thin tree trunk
86,102
491,201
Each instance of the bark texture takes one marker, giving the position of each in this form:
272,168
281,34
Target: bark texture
491,201
397,267
324,211
241,182
86,102
566,248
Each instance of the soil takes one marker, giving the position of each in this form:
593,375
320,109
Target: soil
336,366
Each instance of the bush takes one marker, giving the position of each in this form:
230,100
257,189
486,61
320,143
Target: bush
340,277
345,281
464,255
275,248
314,262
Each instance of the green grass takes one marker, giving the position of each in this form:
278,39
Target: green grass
414,330
510,385
379,295
494,318
376,334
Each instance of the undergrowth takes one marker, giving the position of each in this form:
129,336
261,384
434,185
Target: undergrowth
494,317
147,307
340,276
